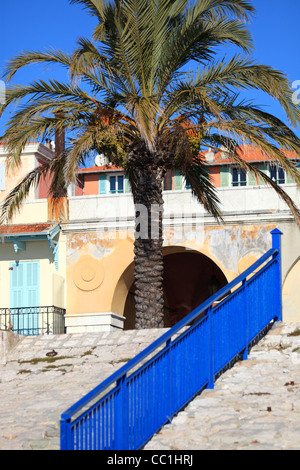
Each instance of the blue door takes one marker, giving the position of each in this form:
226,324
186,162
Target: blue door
25,297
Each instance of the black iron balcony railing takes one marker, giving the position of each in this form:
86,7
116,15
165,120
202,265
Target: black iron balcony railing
31,321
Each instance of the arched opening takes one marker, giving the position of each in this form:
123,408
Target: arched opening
190,278
291,294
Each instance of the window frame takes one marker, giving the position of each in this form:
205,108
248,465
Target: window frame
117,177
239,183
278,168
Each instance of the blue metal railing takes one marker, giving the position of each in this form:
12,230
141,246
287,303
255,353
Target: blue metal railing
124,411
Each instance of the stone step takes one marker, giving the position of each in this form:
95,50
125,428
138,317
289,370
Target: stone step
45,375
256,404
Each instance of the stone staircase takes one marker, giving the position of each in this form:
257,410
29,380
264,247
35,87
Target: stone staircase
255,405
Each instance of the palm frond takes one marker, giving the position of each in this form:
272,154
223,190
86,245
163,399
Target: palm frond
30,57
196,174
128,90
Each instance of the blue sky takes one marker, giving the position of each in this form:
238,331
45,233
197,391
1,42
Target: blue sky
38,25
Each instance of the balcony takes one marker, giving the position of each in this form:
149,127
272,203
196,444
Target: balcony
33,321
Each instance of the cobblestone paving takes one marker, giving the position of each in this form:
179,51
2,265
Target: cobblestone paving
255,405
36,389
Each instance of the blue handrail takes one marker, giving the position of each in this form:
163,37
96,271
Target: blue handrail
123,412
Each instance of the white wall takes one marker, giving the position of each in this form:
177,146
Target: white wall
242,199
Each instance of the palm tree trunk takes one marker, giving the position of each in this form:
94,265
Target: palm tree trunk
148,243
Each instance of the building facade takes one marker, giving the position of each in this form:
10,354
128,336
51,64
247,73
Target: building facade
83,263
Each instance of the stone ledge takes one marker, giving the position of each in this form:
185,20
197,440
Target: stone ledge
93,322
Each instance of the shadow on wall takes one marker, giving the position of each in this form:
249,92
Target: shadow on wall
189,279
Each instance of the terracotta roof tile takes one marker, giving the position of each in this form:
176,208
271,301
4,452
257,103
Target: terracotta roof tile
99,168
30,228
250,154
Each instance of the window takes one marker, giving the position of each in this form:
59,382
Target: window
187,184
116,184
277,174
239,177
168,183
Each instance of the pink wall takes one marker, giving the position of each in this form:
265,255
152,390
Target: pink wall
91,184
215,178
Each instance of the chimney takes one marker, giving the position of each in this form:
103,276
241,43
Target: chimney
210,156
48,144
224,152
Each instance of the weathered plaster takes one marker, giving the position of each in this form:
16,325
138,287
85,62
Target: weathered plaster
231,244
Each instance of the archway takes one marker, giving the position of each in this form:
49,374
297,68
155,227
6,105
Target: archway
190,278
291,294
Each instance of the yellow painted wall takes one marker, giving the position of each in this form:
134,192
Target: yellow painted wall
100,265
291,295
52,282
13,177
32,213
95,263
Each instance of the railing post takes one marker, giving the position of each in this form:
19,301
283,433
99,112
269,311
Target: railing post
276,245
65,434
169,393
121,416
246,324
211,384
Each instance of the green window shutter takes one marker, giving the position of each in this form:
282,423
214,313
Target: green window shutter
177,180
102,184
224,176
126,185
264,168
288,177
251,181
298,170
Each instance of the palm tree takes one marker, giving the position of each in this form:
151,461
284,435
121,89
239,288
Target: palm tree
132,97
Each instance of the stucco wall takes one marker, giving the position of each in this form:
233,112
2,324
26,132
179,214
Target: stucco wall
52,281
96,246
99,265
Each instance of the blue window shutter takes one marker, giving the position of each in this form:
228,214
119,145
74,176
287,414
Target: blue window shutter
16,285
25,284
2,176
25,296
32,284
102,184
